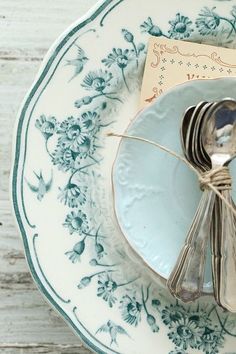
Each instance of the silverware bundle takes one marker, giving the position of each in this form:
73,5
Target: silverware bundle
208,136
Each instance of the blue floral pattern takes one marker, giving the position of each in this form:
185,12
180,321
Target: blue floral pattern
208,23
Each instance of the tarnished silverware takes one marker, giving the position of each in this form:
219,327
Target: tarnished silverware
219,141
200,124
186,279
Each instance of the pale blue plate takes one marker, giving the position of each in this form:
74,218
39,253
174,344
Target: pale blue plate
156,196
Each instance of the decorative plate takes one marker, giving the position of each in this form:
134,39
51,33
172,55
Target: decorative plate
89,83
152,201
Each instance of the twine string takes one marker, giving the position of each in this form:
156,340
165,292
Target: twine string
217,180
218,177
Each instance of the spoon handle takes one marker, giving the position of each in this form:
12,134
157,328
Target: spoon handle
186,279
215,246
227,256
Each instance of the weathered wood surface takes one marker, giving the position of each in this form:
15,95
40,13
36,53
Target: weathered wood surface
27,29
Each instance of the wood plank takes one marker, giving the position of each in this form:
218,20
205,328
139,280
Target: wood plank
42,349
27,29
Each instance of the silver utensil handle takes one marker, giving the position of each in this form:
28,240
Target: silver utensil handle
186,279
215,246
227,254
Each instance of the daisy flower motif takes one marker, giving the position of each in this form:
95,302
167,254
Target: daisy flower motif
86,147
185,333
65,159
181,27
72,133
78,249
97,80
211,341
171,314
130,310
150,28
118,57
73,195
200,317
208,22
121,59
91,122
47,126
106,288
76,222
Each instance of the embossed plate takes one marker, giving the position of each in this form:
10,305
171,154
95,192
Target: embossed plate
61,180
156,196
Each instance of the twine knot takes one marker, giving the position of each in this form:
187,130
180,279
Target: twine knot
219,178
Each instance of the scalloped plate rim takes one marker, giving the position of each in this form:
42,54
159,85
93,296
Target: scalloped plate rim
17,130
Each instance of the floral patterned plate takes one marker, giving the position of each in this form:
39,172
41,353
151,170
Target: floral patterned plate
61,180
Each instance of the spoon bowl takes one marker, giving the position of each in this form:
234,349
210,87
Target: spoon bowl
219,132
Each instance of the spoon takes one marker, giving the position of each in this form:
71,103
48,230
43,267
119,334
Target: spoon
200,157
186,279
190,131
219,140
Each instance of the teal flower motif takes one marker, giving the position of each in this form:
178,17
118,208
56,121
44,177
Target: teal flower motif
86,147
156,304
93,262
76,252
152,323
47,126
208,22
120,58
106,288
76,222
73,195
137,49
172,314
76,140
178,351
211,341
185,333
84,282
83,101
180,27
72,134
130,310
99,250
91,122
200,317
65,159
97,80
128,36
148,27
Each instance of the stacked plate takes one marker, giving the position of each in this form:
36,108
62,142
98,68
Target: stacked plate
73,215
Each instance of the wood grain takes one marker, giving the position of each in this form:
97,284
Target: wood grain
27,29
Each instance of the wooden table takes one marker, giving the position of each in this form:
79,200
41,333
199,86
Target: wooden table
27,29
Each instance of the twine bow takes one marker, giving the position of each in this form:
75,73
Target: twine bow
217,180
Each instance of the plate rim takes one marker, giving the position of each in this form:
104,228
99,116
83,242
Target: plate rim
49,57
